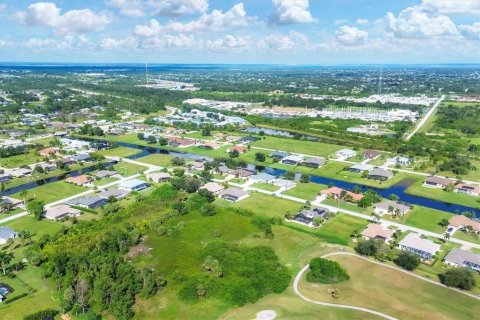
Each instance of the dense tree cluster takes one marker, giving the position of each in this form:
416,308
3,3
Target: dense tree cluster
13,151
461,278
326,271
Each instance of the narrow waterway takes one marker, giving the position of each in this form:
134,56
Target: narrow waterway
399,189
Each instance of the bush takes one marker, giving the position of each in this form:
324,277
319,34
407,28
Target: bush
407,260
461,278
326,271
47,314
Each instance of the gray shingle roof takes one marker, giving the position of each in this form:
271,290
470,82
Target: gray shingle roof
459,256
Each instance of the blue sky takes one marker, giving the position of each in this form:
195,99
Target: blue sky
235,31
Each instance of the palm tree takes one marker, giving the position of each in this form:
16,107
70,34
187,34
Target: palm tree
23,194
390,209
5,259
446,236
376,217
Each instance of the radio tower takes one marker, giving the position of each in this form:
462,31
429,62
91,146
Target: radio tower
380,81
146,71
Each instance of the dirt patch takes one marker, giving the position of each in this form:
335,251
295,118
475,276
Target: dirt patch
138,250
266,315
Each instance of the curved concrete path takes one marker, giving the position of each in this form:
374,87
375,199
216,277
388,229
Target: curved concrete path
342,306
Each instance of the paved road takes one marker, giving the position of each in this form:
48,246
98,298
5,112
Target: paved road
425,119
342,306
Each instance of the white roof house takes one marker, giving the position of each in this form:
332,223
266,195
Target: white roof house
425,248
61,211
213,187
292,159
133,185
6,233
345,153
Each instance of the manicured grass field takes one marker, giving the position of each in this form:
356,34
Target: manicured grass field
21,159
393,292
347,206
265,186
163,160
298,146
36,228
52,192
104,181
426,218
307,191
442,195
339,228
264,205
128,169
119,152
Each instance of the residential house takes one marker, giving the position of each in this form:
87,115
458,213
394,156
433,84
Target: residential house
6,234
197,165
307,216
180,142
337,193
380,174
292,160
210,145
11,202
5,177
115,193
284,184
213,187
88,202
158,177
424,248
313,162
81,157
390,207
60,212
371,154
49,151
239,148
279,155
248,139
244,172
262,177
234,194
20,172
437,182
462,222
105,174
464,259
79,180
377,231
345,154
465,188
46,166
360,167
133,185
401,161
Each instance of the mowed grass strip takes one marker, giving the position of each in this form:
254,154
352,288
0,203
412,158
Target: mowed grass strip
393,292
119,152
298,146
307,191
128,169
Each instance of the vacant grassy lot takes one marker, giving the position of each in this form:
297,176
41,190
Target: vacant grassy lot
426,218
128,169
104,181
307,191
264,205
119,152
298,146
157,159
36,228
21,159
265,186
393,292
52,192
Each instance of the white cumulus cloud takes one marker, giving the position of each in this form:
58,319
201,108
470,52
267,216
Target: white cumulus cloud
178,7
452,6
362,22
129,8
229,42
115,44
47,14
471,32
351,36
291,12
414,23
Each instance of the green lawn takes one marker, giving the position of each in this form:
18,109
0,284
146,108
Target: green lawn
307,191
158,159
264,205
52,192
123,152
104,181
265,186
21,159
298,146
393,292
426,218
128,169
36,228
442,195
347,206
237,181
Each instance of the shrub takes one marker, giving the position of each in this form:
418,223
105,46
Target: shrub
47,314
461,278
326,271
407,260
